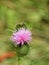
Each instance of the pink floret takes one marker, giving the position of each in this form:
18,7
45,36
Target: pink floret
22,35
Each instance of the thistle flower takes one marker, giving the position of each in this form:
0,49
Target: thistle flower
21,36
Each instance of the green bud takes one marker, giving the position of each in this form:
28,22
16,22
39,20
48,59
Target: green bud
23,50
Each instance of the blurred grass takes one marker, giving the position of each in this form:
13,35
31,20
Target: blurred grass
35,14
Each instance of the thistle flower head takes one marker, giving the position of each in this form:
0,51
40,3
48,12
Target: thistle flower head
21,36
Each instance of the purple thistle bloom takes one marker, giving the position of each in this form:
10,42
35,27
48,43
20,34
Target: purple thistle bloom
21,36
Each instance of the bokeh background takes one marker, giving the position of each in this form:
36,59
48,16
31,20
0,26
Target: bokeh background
35,15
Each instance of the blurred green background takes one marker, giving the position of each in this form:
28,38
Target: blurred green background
35,14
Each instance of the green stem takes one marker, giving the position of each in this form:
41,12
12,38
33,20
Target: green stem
18,60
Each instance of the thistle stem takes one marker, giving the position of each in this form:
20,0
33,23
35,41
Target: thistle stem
18,60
